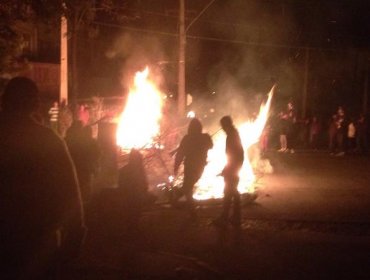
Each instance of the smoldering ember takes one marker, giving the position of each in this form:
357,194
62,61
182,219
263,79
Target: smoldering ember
184,139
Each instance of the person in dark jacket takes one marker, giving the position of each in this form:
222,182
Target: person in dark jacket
133,189
41,217
235,159
85,154
192,152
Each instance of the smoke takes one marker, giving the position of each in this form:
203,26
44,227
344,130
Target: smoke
133,52
251,59
230,99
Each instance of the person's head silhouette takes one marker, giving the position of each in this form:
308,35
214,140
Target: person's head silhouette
195,126
226,123
135,158
20,96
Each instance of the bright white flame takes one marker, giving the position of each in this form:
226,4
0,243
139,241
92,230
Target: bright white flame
211,185
139,122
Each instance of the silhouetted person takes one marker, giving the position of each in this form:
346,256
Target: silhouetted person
192,152
283,127
341,131
332,133
291,133
351,136
85,154
133,189
235,159
41,217
83,114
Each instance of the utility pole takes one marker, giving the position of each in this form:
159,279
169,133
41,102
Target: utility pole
63,92
181,78
182,49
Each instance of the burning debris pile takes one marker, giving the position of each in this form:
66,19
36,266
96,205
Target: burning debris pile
139,127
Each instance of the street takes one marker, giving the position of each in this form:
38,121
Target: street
310,220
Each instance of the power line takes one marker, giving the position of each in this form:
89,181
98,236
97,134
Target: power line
199,15
214,39
202,21
136,29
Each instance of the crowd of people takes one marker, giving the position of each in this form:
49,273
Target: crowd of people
340,135
347,134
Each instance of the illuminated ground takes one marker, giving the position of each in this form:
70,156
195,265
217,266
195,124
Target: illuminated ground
311,220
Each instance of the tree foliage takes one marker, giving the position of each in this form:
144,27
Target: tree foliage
10,49
81,14
10,42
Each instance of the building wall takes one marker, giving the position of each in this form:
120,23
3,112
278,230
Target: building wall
39,51
46,76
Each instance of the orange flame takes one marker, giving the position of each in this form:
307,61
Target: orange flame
139,123
210,184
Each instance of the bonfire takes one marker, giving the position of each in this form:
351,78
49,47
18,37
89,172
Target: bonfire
139,127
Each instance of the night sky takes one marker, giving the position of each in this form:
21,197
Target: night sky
246,46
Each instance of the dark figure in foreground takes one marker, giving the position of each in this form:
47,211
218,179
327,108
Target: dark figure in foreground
133,189
192,151
85,154
235,159
41,218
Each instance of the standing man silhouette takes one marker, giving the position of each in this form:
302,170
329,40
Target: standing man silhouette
235,159
41,216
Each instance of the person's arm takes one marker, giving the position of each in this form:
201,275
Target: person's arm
179,157
210,142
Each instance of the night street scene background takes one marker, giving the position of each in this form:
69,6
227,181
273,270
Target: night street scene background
89,187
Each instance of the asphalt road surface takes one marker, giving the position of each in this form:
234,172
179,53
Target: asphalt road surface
310,220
